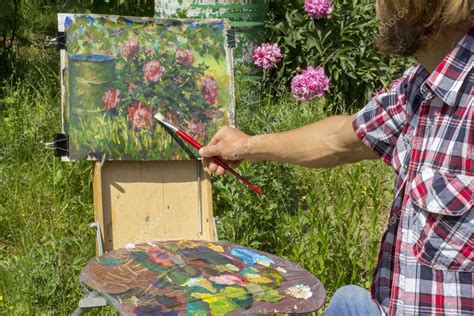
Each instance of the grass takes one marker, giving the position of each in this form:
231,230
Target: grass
328,221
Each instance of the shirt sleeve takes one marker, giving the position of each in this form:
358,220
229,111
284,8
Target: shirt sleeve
381,121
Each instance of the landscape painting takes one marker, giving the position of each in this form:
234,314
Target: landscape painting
118,72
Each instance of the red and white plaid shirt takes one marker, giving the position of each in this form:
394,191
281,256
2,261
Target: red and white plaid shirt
424,128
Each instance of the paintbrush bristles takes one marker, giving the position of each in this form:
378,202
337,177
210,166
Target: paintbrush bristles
164,122
159,117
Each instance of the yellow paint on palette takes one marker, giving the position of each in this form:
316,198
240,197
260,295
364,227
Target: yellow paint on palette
216,247
231,267
255,278
263,263
208,298
227,268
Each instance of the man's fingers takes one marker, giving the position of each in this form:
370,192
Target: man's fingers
209,151
213,167
220,171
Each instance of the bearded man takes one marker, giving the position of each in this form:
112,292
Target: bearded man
424,128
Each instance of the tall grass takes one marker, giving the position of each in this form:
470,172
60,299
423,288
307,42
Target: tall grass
328,221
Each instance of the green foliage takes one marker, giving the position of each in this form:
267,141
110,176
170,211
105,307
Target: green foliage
119,7
342,44
328,221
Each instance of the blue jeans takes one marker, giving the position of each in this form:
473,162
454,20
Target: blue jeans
352,300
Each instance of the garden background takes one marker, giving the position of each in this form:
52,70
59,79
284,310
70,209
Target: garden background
328,221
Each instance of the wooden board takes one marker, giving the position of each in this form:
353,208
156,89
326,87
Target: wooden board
139,201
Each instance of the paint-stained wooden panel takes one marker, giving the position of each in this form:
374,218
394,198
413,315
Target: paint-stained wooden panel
139,201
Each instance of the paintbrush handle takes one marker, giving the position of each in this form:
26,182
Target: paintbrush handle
220,162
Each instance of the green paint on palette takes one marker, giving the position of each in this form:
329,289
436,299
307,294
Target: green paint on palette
264,293
196,308
205,254
229,299
110,261
178,276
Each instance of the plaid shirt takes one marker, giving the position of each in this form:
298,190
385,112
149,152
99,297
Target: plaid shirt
424,128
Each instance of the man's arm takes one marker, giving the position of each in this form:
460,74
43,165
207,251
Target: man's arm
326,143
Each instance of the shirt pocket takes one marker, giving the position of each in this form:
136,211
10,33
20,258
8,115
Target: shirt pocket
443,220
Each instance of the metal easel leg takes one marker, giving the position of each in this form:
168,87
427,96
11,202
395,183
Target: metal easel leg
100,247
89,301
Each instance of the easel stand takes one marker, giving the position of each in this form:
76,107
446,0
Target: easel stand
141,201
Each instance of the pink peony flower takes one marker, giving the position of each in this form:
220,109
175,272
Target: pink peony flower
130,48
318,9
196,129
185,57
267,56
209,90
140,115
111,98
153,70
310,83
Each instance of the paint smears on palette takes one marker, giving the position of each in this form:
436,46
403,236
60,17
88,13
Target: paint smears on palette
201,278
117,72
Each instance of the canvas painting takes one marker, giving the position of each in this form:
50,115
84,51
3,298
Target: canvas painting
118,72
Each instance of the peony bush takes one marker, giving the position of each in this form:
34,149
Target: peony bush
337,35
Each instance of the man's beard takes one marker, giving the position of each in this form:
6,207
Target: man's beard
397,40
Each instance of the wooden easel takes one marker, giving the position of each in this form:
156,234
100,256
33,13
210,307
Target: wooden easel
142,201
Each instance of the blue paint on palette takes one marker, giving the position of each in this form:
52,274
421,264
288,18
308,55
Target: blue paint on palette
249,256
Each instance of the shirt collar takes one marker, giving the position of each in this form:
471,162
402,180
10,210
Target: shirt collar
447,80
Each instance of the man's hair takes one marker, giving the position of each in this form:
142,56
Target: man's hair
407,23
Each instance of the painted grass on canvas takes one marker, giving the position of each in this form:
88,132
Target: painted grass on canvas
121,71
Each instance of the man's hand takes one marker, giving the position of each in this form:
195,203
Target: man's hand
229,143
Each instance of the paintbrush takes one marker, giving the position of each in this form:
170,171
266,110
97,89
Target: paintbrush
198,146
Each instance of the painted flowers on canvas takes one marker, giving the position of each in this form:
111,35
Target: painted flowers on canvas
121,72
